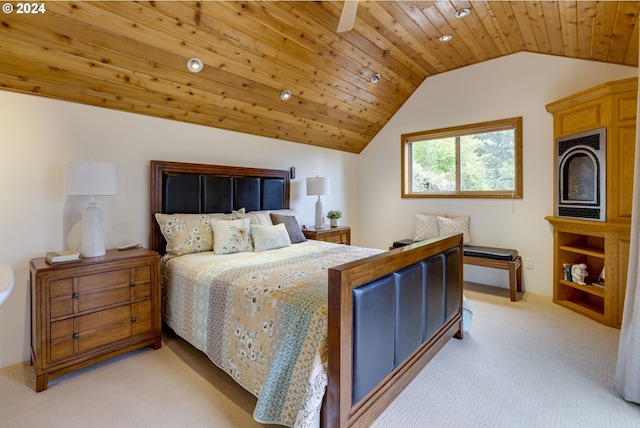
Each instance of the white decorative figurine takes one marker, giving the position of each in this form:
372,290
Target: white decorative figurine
579,273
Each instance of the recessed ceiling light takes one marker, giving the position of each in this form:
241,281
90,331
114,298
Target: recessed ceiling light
461,13
285,95
445,37
195,65
375,78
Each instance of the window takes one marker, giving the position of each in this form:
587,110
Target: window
483,160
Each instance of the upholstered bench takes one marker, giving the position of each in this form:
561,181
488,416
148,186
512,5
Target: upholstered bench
497,258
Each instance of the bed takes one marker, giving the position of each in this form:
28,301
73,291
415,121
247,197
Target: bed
320,333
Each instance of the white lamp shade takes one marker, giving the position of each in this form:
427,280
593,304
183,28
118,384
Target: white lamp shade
90,178
317,186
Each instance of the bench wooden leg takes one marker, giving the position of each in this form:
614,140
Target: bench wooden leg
514,267
515,277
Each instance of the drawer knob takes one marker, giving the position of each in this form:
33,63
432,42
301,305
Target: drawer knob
76,295
133,319
133,284
76,335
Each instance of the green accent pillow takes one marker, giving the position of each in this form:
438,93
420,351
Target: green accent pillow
269,237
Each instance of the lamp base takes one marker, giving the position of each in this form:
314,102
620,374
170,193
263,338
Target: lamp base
92,237
319,215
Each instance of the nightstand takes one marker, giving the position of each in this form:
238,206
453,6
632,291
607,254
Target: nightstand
337,235
83,313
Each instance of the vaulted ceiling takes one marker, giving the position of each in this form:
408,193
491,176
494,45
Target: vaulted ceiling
132,56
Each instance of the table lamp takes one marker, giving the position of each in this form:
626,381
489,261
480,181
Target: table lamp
91,179
318,186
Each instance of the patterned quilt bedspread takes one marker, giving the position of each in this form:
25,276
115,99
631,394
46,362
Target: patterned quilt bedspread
262,318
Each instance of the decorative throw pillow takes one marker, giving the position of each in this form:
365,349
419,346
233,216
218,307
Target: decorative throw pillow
284,211
186,233
221,216
236,214
269,237
456,225
259,217
231,236
293,228
426,227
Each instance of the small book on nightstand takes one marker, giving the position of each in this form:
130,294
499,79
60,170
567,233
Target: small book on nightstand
67,256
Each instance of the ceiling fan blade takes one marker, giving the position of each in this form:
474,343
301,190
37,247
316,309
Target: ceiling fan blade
348,16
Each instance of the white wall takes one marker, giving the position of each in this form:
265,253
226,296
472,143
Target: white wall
511,86
38,135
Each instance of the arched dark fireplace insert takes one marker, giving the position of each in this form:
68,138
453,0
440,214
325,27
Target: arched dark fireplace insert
581,175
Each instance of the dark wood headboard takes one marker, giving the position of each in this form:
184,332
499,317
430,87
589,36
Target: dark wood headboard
191,188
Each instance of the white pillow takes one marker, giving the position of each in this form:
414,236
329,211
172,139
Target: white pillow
264,217
231,236
454,225
269,237
426,227
259,217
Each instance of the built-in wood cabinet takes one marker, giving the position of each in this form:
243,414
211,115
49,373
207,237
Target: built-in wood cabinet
600,245
85,312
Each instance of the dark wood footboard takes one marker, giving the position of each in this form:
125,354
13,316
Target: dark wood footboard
388,316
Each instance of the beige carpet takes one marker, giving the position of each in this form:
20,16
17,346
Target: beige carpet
525,364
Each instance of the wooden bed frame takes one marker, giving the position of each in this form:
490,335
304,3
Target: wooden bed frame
432,269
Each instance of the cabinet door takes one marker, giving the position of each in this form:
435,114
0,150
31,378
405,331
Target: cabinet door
582,117
622,170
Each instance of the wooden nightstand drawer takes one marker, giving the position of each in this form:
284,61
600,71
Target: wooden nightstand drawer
102,282
90,292
61,297
103,289
141,320
336,235
85,312
100,328
83,333
337,238
61,340
141,283
79,334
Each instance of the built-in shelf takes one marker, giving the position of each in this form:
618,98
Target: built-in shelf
591,289
582,250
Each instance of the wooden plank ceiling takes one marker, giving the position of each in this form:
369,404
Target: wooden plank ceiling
132,56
